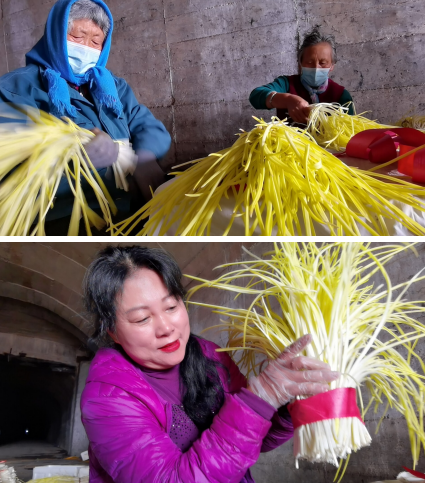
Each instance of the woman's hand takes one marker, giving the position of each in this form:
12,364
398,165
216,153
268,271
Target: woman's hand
291,375
298,108
102,150
148,173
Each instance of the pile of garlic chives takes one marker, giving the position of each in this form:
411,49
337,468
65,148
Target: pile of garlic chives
34,156
332,127
326,290
276,174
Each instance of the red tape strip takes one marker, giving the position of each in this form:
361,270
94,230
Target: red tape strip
415,473
338,403
379,146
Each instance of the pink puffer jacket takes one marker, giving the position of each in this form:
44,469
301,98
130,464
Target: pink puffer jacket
127,424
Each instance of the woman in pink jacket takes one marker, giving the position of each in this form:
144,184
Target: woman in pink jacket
160,404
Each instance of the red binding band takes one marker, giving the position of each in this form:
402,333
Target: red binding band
376,145
415,473
338,403
379,146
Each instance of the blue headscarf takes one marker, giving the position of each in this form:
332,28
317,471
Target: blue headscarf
51,52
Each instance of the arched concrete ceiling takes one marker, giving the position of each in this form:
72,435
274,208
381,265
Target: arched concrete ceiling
44,316
23,318
41,310
49,275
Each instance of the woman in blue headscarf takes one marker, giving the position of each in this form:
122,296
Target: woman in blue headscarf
66,75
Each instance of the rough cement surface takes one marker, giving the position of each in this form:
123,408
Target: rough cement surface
194,62
37,348
4,67
79,440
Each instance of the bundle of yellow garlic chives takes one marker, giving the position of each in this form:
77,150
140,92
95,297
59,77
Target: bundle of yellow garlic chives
279,179
327,291
332,127
33,158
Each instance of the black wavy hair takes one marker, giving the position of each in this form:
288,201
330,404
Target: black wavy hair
103,283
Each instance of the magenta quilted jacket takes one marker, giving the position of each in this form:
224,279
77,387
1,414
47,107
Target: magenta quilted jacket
127,424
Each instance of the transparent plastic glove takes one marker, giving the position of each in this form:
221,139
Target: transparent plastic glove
102,150
291,375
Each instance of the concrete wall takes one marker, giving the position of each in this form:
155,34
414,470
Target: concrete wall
79,440
4,67
36,333
194,62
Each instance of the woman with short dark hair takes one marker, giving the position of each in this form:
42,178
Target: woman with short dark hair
292,95
160,404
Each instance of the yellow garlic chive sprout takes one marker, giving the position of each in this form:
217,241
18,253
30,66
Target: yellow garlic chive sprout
280,182
34,156
332,127
415,121
366,332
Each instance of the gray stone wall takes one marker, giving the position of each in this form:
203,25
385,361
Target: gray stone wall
79,441
194,62
3,56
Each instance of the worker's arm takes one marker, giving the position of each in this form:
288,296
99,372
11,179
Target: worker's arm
345,99
276,96
258,97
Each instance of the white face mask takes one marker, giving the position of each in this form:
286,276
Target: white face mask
81,58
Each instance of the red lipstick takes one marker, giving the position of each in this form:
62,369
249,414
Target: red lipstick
171,347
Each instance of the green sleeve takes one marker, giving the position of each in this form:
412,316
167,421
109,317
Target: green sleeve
344,99
258,96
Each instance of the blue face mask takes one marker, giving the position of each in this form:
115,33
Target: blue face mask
81,58
314,77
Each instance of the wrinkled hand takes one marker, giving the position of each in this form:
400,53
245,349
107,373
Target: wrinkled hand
102,150
298,109
291,375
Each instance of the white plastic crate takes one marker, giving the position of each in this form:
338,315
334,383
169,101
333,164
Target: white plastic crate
77,471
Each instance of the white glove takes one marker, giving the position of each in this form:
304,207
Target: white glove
102,150
125,164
